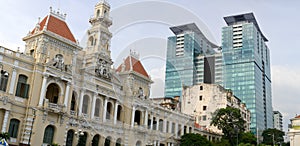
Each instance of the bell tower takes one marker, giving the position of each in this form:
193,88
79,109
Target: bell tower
99,39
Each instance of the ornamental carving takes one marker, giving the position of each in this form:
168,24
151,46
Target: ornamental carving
103,69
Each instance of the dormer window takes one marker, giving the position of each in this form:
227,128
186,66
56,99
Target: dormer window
98,13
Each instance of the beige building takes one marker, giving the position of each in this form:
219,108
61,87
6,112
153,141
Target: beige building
58,92
294,131
203,100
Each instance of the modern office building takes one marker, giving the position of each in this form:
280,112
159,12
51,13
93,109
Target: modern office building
277,120
191,59
247,67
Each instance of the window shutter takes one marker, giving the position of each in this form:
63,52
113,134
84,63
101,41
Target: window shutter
18,89
26,90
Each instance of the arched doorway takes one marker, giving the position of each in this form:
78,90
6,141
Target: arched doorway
70,136
119,142
95,141
73,102
82,139
48,135
137,117
107,141
138,143
52,93
119,113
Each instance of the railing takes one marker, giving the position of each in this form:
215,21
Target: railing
55,107
73,113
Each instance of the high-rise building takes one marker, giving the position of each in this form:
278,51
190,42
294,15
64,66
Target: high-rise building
247,67
191,59
277,120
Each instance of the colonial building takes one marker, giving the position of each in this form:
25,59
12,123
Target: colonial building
56,92
294,131
203,100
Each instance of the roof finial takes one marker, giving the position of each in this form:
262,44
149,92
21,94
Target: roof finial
135,54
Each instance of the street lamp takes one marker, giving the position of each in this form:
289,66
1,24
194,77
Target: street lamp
273,141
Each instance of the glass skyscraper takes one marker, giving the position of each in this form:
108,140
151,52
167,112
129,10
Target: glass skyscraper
247,68
191,59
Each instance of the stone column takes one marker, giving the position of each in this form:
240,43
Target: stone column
116,112
158,143
154,142
176,130
146,118
157,124
80,102
172,144
93,106
165,125
132,116
67,94
151,124
13,81
105,108
43,90
182,129
169,144
5,121
170,127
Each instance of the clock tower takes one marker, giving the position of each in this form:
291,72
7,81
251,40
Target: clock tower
99,38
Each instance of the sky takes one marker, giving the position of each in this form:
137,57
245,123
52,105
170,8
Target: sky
143,26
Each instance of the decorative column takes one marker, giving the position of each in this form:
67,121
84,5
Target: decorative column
170,127
93,106
13,81
5,120
165,125
43,90
105,108
169,144
176,130
157,124
158,143
116,112
67,94
182,130
146,118
172,144
151,124
81,102
154,142
132,116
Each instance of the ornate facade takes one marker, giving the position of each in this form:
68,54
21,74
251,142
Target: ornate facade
58,92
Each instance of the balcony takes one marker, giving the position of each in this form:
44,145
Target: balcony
73,113
55,107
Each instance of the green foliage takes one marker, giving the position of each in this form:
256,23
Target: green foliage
54,144
223,142
4,135
192,139
248,138
230,121
268,136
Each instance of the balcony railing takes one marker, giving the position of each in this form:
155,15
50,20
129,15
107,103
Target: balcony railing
73,113
55,107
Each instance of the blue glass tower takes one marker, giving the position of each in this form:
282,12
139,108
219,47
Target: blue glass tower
191,59
247,68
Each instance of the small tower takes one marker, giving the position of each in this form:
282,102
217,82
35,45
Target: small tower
99,39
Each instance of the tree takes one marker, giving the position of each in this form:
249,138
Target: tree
4,135
192,139
248,138
230,121
270,133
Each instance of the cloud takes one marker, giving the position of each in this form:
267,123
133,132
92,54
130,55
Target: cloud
285,82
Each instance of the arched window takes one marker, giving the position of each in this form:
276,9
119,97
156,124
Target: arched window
119,142
52,93
73,102
138,143
95,141
48,135
91,41
13,128
119,113
22,87
82,139
3,80
97,108
160,126
70,136
137,117
109,110
85,104
98,13
107,141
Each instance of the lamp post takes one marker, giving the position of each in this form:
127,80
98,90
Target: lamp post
273,141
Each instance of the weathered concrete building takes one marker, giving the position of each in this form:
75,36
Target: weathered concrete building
203,100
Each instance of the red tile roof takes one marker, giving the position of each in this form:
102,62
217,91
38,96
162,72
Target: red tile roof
298,117
56,26
136,66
